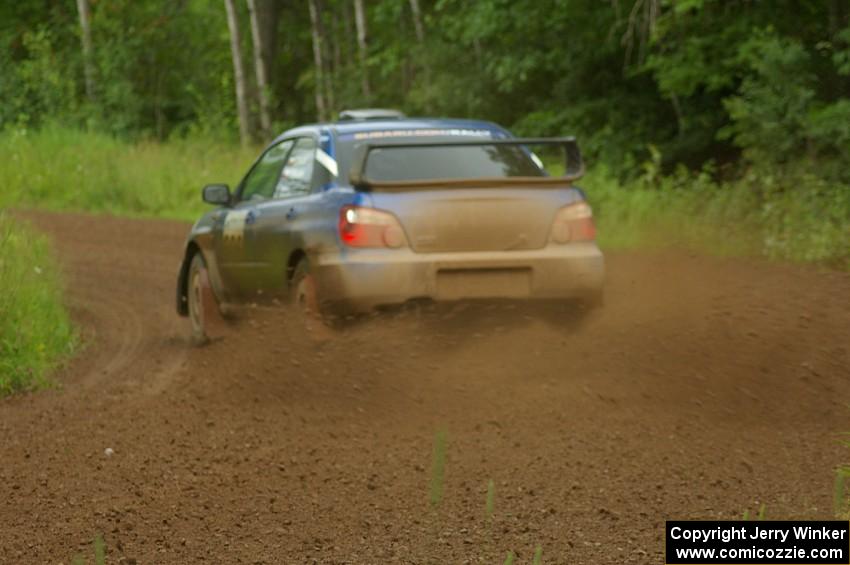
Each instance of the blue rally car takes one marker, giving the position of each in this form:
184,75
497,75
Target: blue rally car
379,209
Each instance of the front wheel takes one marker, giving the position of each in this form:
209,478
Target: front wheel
202,303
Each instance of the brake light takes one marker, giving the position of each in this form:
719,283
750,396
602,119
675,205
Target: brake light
368,227
574,223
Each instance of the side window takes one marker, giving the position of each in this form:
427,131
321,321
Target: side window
297,174
261,181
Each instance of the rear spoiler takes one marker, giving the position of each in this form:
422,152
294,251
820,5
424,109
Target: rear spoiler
573,165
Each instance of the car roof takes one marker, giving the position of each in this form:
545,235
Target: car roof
359,126
410,123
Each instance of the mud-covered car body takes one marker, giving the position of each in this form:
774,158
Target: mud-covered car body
429,226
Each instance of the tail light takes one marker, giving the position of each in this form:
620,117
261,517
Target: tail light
574,223
368,227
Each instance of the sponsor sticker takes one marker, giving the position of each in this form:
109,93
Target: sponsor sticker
234,226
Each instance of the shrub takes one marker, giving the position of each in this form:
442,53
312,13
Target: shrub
35,331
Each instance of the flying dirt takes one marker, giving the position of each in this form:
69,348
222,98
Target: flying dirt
705,387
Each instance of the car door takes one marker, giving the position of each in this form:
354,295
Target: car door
235,240
274,232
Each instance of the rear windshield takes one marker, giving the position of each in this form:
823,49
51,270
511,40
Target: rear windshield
430,163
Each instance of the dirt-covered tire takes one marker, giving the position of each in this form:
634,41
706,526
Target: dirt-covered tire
305,300
200,300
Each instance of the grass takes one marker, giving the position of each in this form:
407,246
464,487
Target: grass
99,550
538,556
490,504
791,215
63,169
99,553
437,485
802,219
841,504
438,468
35,330
760,516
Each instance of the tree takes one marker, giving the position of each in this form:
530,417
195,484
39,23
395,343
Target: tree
85,35
263,12
419,28
238,73
318,59
362,48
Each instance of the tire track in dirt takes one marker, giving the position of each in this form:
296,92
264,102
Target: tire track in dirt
705,386
112,291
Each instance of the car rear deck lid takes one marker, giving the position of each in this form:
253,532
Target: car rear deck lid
370,114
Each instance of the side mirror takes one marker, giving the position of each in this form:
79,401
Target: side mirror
218,194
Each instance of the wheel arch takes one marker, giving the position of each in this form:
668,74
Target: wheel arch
294,258
183,278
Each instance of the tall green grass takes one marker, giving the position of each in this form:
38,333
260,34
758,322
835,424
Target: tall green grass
35,331
800,218
65,169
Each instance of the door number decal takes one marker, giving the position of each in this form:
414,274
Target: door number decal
234,226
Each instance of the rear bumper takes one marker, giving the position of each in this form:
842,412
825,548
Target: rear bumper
363,279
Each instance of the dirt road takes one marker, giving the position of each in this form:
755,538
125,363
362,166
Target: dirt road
704,388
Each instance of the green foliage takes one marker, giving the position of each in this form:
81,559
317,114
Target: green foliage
795,216
151,62
65,169
37,86
769,112
35,331
700,80
509,558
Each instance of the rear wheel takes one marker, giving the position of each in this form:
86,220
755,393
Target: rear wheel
202,302
305,300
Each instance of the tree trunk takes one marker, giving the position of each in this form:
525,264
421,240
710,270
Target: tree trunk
269,16
420,39
330,92
349,45
362,48
238,72
318,59
85,35
261,69
417,21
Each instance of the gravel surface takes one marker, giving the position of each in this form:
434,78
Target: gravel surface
705,387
